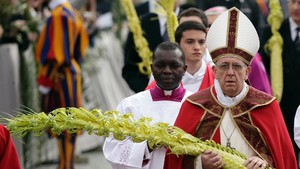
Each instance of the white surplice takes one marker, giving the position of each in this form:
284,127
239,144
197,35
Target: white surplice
128,155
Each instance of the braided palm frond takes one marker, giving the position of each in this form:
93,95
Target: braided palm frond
140,41
274,45
121,126
172,22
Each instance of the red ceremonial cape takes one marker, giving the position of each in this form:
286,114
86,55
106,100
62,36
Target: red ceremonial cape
208,79
8,154
258,109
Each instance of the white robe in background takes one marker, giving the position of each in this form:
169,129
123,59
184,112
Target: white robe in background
297,127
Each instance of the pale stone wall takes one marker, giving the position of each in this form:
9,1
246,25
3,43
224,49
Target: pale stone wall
10,86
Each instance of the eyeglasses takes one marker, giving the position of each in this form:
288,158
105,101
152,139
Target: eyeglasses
235,67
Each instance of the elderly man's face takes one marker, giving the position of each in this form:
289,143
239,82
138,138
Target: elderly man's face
231,73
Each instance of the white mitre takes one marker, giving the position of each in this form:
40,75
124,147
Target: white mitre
232,34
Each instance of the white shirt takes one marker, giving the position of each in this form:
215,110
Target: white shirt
293,27
128,155
192,82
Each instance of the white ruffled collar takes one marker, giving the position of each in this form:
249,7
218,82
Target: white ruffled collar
226,100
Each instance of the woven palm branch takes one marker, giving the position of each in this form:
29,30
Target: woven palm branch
121,126
172,23
140,42
274,45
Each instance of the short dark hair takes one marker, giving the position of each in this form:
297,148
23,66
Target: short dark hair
188,25
169,46
194,12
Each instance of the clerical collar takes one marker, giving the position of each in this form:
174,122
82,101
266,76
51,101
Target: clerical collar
54,3
226,100
172,95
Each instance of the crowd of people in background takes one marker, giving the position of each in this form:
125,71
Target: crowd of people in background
214,90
